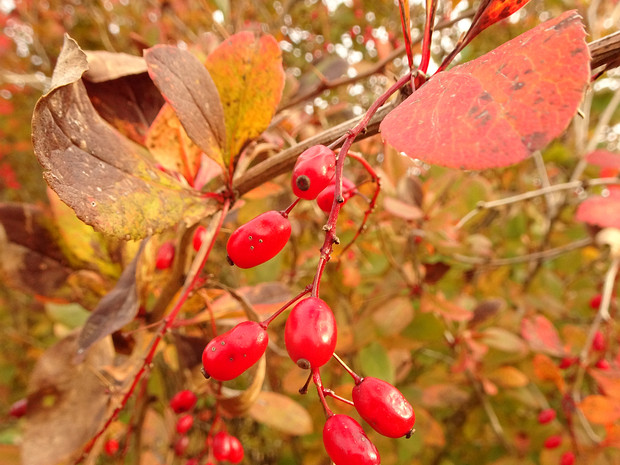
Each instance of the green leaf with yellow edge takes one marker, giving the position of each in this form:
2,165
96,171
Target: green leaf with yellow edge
247,71
111,183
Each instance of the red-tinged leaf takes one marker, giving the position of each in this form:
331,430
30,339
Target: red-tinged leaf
601,211
546,369
67,403
491,11
604,159
601,410
117,308
541,335
443,395
496,110
110,183
402,209
171,146
608,382
189,89
248,74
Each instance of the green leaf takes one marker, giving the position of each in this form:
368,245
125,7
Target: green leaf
375,361
111,183
248,74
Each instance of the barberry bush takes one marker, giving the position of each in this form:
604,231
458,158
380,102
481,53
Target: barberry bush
301,232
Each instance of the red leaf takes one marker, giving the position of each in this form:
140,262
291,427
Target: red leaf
542,336
600,211
496,110
604,159
492,12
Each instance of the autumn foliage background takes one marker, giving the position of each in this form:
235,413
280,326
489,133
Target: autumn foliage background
479,313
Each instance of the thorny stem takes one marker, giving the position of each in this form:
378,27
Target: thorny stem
356,378
167,323
316,378
351,135
268,321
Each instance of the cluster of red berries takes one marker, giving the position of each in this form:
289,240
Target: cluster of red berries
223,446
310,332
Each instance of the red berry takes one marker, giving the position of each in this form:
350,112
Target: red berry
180,446
183,401
325,200
236,450
310,333
383,407
567,362
602,364
346,442
595,302
313,171
19,408
258,240
111,447
228,355
568,458
598,342
165,256
553,441
192,461
184,423
199,237
546,416
221,445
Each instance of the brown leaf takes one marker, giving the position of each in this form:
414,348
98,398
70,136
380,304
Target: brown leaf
189,89
282,413
483,311
109,182
117,308
108,66
237,403
66,403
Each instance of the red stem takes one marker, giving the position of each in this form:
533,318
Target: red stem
426,42
268,321
356,378
330,227
167,323
316,378
288,209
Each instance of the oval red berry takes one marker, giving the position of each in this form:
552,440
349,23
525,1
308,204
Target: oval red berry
383,407
310,333
346,442
546,416
228,355
236,453
184,423
183,401
258,240
313,171
325,199
221,445
165,256
199,237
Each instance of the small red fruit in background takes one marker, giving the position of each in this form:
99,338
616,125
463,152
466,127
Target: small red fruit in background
165,256
228,355
595,302
313,171
199,237
180,446
111,447
183,401
598,342
602,364
568,458
258,240
185,423
227,447
19,408
325,199
553,441
546,416
310,333
567,362
346,442
383,407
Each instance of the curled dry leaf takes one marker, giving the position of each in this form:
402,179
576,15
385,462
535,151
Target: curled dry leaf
237,403
67,402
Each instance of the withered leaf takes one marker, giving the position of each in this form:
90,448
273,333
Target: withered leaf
111,183
188,88
66,403
117,308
